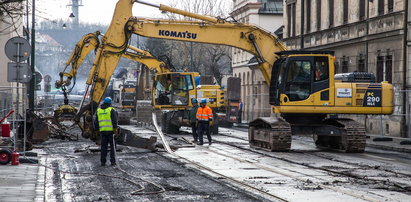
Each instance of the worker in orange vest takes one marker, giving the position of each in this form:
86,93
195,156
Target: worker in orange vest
204,121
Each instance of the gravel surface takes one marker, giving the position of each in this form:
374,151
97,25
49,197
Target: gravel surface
78,176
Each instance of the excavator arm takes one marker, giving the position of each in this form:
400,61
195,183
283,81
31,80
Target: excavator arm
87,43
260,43
249,38
147,59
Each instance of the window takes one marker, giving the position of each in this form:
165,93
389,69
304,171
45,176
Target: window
289,20
189,80
308,14
388,68
318,14
345,11
390,6
331,12
294,18
361,63
380,68
298,80
172,89
380,7
321,69
271,7
344,66
362,9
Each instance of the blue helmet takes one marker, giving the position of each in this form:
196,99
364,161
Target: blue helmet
194,100
203,101
107,100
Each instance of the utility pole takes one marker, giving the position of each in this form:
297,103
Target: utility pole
75,4
33,47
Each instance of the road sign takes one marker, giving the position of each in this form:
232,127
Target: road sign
47,87
47,78
24,72
17,49
38,77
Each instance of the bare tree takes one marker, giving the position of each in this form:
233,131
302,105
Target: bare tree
207,59
10,11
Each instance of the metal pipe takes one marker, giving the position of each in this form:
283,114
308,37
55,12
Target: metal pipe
406,101
84,97
33,53
178,11
148,3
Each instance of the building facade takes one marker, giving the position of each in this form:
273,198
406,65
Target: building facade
367,36
7,89
254,90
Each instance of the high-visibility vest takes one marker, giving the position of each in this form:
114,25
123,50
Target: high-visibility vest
204,114
104,119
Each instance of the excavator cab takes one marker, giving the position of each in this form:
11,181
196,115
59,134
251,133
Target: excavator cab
297,78
172,89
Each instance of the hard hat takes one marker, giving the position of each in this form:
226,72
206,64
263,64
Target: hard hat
203,101
107,100
194,100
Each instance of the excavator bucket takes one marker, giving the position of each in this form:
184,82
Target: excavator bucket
64,115
38,128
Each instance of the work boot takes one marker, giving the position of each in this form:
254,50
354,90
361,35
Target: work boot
195,141
200,143
209,143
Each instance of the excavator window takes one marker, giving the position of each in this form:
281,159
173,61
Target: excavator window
298,85
172,89
179,93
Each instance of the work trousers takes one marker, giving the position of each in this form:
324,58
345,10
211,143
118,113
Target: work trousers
194,131
107,138
204,127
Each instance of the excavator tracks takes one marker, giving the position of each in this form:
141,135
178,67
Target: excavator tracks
277,137
352,138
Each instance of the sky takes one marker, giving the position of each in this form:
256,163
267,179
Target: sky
92,11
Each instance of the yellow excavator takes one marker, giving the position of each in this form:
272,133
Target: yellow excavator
173,102
304,91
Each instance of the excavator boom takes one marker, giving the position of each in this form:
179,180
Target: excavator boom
249,38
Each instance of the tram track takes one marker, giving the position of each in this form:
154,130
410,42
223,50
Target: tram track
340,173
305,179
319,155
353,193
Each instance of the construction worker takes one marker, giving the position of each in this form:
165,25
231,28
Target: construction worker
106,121
204,120
192,118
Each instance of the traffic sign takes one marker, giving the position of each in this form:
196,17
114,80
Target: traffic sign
38,77
18,72
47,78
17,49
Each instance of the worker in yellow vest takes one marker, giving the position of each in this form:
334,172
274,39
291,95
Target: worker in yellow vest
204,121
106,122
